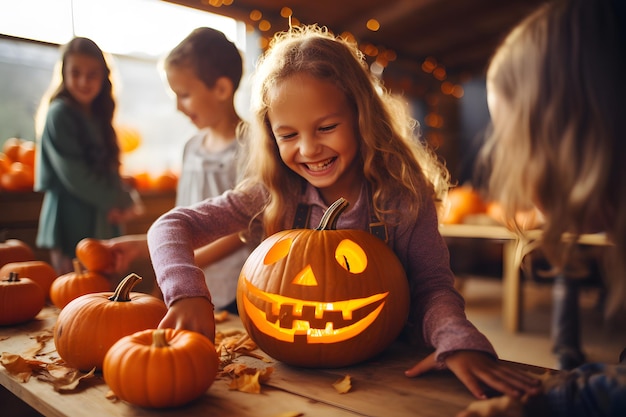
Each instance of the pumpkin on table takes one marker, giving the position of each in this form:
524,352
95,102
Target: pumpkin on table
39,271
21,299
15,250
94,255
323,297
72,285
160,368
90,324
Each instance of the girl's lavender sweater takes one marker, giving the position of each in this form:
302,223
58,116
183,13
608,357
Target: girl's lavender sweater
437,316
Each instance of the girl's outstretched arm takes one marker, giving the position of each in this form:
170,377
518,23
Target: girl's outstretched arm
478,370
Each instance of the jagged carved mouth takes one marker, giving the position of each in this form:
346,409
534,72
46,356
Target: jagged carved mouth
286,318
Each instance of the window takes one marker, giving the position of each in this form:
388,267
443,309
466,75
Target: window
137,33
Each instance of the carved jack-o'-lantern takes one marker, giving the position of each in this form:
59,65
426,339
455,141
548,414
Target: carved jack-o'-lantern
323,297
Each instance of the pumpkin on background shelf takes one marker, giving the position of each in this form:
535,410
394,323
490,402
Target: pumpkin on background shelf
525,219
15,250
460,203
90,324
160,368
165,181
20,177
21,299
11,148
5,163
323,297
94,255
72,285
39,271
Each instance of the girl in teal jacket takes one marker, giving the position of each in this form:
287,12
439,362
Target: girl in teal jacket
77,165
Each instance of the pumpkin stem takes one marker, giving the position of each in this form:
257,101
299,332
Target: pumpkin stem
13,277
78,267
122,292
158,338
329,219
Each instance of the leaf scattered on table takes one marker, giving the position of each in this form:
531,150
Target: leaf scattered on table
221,317
246,383
229,346
111,396
63,378
234,343
245,378
41,339
343,385
20,368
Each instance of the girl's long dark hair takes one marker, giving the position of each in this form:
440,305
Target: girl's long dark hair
102,107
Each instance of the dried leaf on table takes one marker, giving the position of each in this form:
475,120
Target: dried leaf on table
110,395
236,343
246,383
41,339
20,368
343,385
221,317
63,378
289,414
245,378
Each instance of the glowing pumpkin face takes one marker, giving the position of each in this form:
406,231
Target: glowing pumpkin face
323,297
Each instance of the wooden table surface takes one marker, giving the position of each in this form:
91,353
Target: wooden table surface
379,387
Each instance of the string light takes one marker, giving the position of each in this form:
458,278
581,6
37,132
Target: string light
381,56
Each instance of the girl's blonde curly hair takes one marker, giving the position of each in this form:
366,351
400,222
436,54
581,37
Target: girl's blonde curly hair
396,164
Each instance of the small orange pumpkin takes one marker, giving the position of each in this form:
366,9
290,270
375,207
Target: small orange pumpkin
94,255
20,177
15,250
21,299
161,368
72,285
461,202
323,297
39,271
90,324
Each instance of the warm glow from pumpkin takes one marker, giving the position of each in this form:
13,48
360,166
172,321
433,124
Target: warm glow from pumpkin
303,327
351,256
277,252
305,277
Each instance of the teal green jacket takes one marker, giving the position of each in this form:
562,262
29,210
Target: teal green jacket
76,199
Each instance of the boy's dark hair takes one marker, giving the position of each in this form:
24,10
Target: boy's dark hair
210,54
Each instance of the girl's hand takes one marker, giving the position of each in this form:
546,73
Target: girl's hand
194,313
477,370
125,249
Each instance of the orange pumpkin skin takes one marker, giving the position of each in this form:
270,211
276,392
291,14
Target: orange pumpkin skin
21,299
161,368
72,285
94,255
462,201
323,298
39,271
90,324
15,250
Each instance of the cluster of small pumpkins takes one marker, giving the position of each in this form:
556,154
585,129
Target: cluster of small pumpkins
112,331
17,165
464,203
166,180
323,297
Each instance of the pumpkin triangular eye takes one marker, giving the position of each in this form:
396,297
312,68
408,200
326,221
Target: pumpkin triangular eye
277,252
351,256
